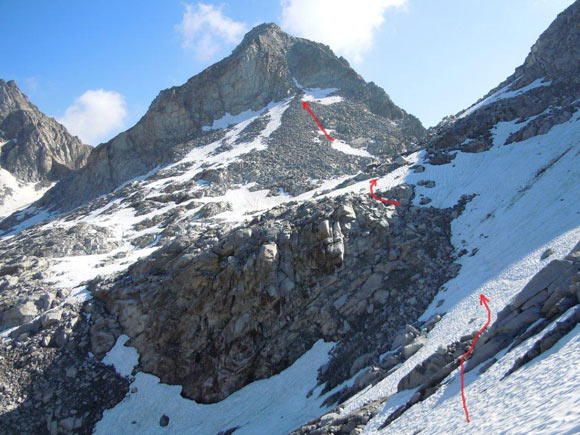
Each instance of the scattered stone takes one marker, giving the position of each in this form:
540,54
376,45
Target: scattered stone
51,318
18,315
412,348
401,161
164,420
426,183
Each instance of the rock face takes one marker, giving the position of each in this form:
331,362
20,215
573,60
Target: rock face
548,79
268,66
215,315
36,148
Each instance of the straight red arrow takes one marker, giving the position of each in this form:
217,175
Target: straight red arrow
482,300
386,201
306,106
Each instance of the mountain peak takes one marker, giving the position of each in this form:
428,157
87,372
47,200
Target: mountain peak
263,29
268,67
35,147
11,98
267,37
556,54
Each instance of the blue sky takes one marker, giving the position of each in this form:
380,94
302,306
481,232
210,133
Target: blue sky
96,66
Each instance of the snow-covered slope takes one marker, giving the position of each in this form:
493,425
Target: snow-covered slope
15,194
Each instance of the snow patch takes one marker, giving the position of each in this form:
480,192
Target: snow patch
15,194
319,95
503,94
229,119
123,358
347,149
275,405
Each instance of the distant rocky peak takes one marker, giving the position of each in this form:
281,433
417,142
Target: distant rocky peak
266,36
556,54
11,98
36,147
267,66
554,58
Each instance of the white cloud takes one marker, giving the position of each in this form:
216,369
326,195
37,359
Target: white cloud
347,26
95,115
206,30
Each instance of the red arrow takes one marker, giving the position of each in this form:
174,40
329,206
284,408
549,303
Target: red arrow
306,105
482,300
386,201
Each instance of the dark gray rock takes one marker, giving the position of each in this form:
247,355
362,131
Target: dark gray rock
539,282
270,290
39,148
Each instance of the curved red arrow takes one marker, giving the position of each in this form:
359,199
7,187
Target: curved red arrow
306,106
386,201
482,300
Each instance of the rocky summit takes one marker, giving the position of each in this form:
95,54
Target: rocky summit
222,267
268,67
35,150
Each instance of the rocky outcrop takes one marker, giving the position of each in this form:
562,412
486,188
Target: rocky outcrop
37,147
268,66
333,423
545,88
50,383
216,310
550,293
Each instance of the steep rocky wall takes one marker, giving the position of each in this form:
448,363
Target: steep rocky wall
217,311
